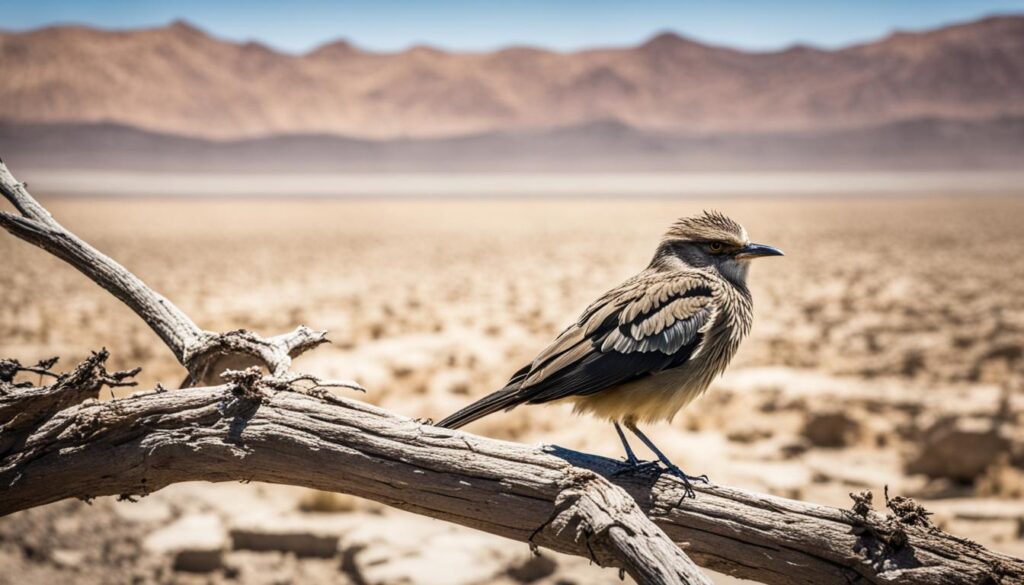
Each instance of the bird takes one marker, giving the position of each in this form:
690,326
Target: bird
650,346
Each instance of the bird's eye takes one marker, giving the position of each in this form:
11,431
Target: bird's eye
715,247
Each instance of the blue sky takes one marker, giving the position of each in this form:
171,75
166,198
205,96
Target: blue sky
388,25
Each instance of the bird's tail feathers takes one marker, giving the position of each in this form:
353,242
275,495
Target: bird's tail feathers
502,399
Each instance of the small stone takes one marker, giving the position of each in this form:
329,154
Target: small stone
302,544
749,435
831,429
67,558
534,568
195,543
960,449
795,448
299,535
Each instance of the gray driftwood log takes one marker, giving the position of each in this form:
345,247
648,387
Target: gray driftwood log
59,442
257,429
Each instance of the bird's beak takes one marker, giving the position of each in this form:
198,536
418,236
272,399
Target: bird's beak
757,251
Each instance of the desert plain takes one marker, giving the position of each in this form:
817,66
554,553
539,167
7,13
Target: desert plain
887,350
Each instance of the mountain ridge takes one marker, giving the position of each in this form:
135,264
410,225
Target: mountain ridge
179,79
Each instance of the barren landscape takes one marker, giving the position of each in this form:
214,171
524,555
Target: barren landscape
183,80
177,98
887,350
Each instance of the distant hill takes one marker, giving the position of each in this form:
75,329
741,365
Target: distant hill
922,144
180,80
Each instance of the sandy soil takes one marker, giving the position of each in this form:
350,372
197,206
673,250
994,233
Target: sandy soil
888,349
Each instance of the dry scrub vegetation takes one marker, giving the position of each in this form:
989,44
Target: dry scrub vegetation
888,348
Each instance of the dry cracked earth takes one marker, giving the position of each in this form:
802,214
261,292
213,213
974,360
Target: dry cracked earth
887,350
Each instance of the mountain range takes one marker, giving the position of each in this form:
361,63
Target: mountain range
956,94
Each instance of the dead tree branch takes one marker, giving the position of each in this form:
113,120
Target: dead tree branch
257,429
24,408
564,500
204,354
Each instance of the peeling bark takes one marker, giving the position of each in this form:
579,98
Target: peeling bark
551,497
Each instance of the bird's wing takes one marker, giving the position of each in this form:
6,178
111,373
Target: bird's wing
648,324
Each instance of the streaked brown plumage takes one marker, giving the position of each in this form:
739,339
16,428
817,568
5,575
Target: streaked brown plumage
651,345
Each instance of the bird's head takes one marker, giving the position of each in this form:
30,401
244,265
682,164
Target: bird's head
710,241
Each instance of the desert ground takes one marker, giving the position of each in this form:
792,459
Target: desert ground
887,350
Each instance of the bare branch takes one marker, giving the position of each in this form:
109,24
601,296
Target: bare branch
25,408
299,341
9,368
215,353
17,193
552,497
246,430
36,226
204,354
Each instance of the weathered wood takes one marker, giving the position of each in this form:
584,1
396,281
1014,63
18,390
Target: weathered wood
36,226
261,431
204,354
23,408
551,497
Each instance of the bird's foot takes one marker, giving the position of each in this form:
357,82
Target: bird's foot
687,480
637,467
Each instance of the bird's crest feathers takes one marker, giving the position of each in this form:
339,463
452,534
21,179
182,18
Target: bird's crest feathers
708,226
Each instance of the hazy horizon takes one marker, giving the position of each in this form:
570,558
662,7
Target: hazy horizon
88,183
564,26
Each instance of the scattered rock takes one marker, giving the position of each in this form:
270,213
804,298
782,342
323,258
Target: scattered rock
299,542
942,488
749,435
67,558
534,568
794,448
195,543
406,549
304,535
1001,480
831,429
960,449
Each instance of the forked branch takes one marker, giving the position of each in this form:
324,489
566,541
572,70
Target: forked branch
259,430
204,354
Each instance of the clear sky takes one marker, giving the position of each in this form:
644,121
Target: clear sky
387,25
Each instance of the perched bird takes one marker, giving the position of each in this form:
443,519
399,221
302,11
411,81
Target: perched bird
650,345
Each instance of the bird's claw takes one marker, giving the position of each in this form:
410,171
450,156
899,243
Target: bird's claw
687,480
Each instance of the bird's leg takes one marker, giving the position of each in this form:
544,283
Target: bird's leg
669,466
632,463
630,455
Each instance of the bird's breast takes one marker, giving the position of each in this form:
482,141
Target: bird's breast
652,398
